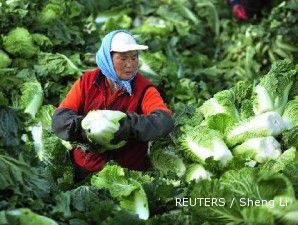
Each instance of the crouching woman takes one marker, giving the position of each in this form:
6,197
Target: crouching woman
115,85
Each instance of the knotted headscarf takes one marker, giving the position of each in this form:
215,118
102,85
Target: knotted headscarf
105,63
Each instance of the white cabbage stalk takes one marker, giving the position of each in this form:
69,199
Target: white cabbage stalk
264,100
251,163
218,150
214,105
32,97
266,124
259,149
36,132
141,205
197,172
222,102
101,125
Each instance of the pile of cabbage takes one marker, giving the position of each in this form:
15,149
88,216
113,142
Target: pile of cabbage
246,125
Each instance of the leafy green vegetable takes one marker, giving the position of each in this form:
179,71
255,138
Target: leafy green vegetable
113,178
197,172
136,203
11,126
51,12
19,42
222,102
258,149
32,97
5,61
266,124
201,143
129,191
286,159
221,122
101,125
273,90
42,41
290,137
25,216
55,65
174,164
198,55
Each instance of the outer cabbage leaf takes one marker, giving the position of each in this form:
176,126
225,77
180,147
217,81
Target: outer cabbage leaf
127,190
271,94
31,98
51,13
290,137
221,122
11,126
167,162
290,115
222,102
197,172
5,61
112,178
137,203
201,143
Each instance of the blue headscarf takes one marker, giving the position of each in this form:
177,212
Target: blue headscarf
105,63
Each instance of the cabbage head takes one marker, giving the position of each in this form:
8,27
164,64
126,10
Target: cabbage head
5,61
19,43
100,127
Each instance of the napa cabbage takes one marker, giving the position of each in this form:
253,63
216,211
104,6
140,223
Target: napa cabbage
101,125
19,43
137,203
31,97
197,172
290,137
201,143
258,149
221,122
42,41
5,61
222,102
167,162
51,12
271,94
266,124
127,190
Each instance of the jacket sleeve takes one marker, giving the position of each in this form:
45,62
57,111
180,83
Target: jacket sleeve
155,122
66,123
144,127
152,101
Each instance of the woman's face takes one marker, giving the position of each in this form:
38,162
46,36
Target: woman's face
125,64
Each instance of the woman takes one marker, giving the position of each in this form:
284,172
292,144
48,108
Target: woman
115,85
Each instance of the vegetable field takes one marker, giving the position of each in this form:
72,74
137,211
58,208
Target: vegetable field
233,87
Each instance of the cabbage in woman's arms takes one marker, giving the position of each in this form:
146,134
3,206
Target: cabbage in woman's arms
100,127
